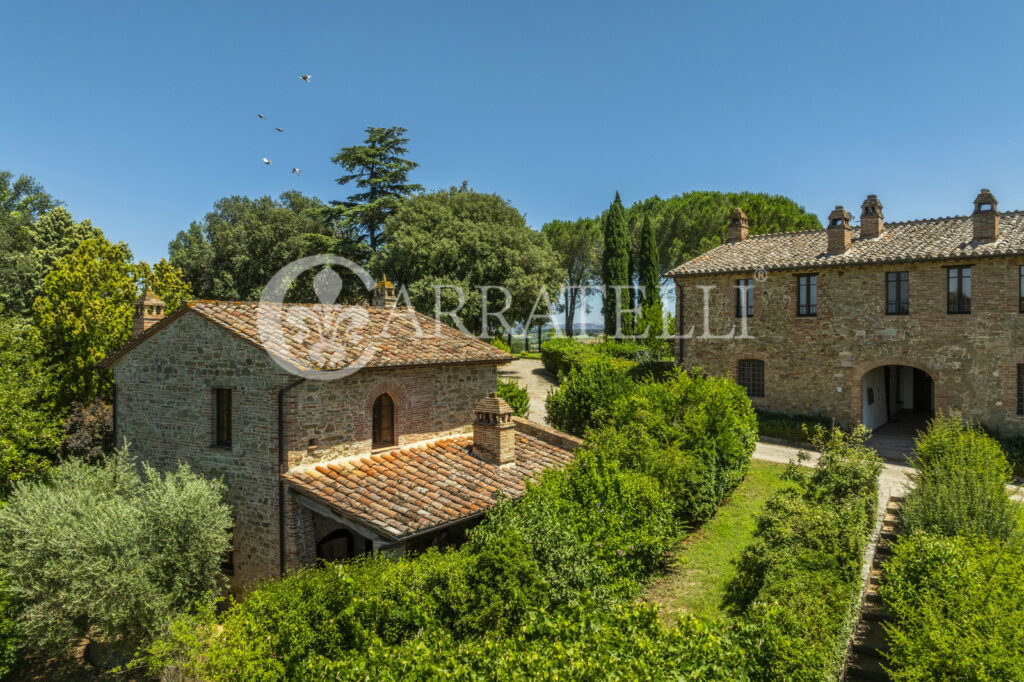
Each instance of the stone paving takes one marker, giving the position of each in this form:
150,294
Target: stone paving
536,380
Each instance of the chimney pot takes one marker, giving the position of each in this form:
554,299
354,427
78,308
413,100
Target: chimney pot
738,226
494,437
838,231
985,219
872,224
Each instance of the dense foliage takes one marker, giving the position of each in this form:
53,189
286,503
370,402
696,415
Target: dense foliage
28,218
380,170
443,245
515,395
798,583
104,551
235,250
586,397
649,271
960,483
615,261
561,354
10,632
788,428
956,603
29,423
578,245
953,583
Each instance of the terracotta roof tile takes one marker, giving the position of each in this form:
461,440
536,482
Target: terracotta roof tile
917,240
411,490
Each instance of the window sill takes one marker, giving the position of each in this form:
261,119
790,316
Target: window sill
226,448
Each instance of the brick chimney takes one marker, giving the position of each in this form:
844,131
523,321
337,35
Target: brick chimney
738,228
871,222
494,437
384,294
985,217
148,311
838,230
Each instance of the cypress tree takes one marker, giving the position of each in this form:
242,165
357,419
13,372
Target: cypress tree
615,262
650,277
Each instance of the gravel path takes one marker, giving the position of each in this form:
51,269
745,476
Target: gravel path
536,380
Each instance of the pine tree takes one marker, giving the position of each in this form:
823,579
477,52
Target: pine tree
615,263
650,278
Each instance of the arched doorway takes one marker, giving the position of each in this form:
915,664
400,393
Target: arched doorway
896,402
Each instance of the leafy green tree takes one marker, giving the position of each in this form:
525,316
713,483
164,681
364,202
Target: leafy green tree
615,262
381,172
22,200
104,551
650,279
578,245
465,239
234,251
85,313
167,282
29,425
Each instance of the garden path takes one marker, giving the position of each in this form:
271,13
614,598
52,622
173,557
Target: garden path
536,380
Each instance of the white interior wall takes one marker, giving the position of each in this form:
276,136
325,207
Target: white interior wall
875,413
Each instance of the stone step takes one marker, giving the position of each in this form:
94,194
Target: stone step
869,637
874,612
872,597
865,667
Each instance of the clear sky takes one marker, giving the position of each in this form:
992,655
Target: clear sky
139,115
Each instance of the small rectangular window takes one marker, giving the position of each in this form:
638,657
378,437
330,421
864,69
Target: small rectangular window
807,295
958,301
1020,390
750,375
897,293
1021,290
744,298
222,410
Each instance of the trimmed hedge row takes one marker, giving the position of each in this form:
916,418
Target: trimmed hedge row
561,355
789,428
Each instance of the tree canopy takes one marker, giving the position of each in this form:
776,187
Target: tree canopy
234,251
463,238
577,245
379,169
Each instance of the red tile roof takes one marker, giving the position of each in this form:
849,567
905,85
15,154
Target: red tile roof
410,490
325,337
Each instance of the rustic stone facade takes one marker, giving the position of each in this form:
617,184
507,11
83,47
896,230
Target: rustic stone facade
817,365
165,388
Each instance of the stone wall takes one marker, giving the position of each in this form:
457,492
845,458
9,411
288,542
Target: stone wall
815,365
165,409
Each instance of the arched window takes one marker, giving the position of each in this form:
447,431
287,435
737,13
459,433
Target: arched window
383,421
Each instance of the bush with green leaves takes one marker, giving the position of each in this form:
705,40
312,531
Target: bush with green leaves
694,433
500,344
587,396
10,632
108,551
789,428
515,395
956,607
960,476
798,583
562,354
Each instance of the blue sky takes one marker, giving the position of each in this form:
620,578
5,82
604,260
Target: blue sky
140,115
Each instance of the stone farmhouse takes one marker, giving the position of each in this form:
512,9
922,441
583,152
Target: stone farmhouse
872,323
403,454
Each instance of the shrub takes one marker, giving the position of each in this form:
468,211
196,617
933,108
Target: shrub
789,428
960,483
587,395
694,433
500,345
10,633
956,608
797,584
88,432
556,354
561,355
515,395
104,551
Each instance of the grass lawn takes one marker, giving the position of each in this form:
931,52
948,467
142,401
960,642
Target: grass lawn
704,562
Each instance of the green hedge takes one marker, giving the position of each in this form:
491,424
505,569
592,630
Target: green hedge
561,355
789,428
798,583
10,632
515,395
587,395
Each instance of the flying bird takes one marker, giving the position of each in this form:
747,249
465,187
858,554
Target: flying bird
296,171
266,160
306,77
262,116
280,130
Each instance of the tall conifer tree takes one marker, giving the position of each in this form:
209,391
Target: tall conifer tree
650,278
615,263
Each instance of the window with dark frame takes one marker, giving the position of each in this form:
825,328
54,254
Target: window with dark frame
222,410
383,421
806,295
958,301
744,298
897,293
750,375
1020,390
